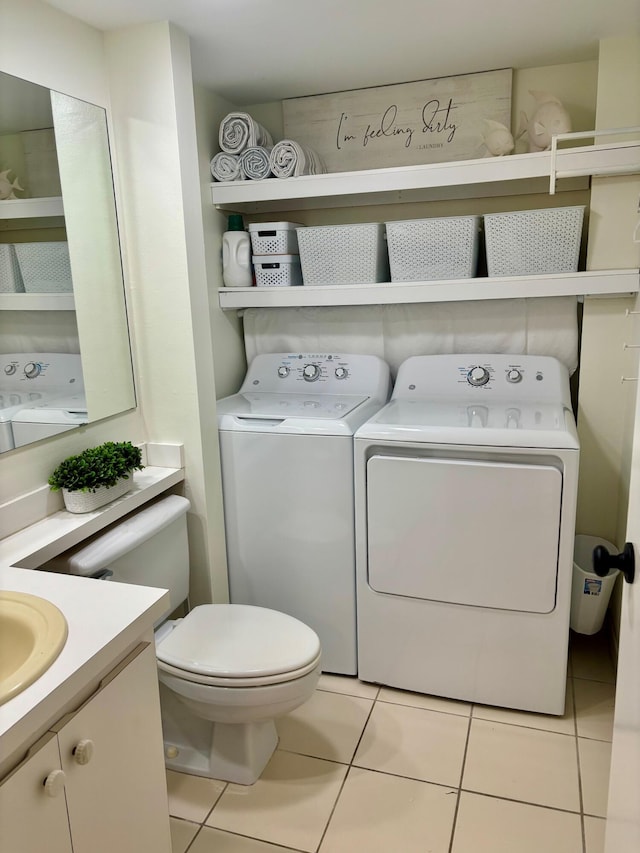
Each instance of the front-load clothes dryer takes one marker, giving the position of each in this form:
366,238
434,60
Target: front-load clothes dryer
286,445
465,510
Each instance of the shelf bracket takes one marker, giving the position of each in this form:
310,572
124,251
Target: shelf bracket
587,134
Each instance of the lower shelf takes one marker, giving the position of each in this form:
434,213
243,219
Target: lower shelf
37,302
592,283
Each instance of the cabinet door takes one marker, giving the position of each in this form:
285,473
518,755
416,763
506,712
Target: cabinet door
117,799
33,811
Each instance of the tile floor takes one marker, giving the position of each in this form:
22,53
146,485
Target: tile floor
363,769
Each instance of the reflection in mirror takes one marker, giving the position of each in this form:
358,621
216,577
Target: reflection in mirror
64,348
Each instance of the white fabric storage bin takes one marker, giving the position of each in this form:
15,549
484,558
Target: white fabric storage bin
274,238
433,249
45,267
533,242
10,278
277,270
343,254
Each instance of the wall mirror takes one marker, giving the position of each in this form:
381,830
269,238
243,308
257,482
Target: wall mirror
57,196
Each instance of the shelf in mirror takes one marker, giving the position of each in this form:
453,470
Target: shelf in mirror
37,302
28,208
593,283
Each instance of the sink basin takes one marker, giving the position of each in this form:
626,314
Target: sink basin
32,634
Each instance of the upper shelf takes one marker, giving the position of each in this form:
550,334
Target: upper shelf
490,176
29,208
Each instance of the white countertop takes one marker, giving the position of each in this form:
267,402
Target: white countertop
105,619
34,545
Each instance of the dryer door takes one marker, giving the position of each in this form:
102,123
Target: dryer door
465,532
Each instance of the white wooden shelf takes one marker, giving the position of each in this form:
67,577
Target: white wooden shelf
490,176
37,302
30,208
600,283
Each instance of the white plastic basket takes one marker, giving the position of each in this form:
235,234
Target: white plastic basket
277,270
45,267
343,254
10,278
274,238
431,249
533,242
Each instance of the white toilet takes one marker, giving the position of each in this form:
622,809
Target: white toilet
225,670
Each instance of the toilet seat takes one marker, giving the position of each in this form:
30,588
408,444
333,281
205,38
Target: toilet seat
237,645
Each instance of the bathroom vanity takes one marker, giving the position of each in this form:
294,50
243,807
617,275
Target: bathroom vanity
81,756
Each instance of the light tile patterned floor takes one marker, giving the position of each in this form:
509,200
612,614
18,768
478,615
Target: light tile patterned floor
362,769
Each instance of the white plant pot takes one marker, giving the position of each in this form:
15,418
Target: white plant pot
89,501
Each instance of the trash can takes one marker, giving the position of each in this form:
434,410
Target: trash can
590,594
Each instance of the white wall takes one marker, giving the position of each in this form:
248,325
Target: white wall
142,76
607,405
604,398
226,326
154,122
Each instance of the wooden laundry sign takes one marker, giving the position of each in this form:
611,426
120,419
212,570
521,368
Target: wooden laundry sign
429,121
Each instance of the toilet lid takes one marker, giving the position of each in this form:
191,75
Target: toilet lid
238,641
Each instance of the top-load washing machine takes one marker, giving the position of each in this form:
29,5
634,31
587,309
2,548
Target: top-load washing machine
286,443
466,488
29,382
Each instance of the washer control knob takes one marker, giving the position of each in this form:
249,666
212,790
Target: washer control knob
310,372
341,372
283,371
514,375
478,376
10,369
32,369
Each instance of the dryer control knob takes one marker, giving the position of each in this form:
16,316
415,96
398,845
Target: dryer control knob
514,375
478,376
310,372
283,371
341,373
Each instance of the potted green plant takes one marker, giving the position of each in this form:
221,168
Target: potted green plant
96,476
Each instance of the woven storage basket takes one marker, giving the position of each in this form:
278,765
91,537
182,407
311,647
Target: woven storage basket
10,278
274,238
343,254
533,242
277,270
88,501
430,249
45,267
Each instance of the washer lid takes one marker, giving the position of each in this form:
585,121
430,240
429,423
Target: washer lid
238,641
71,409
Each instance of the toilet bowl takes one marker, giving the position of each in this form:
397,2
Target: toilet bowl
234,668
226,671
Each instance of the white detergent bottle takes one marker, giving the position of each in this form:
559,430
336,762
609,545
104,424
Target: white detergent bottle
236,254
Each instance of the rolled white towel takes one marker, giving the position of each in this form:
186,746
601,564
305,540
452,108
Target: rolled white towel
290,159
239,131
256,163
227,167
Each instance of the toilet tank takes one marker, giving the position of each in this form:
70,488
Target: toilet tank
148,547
